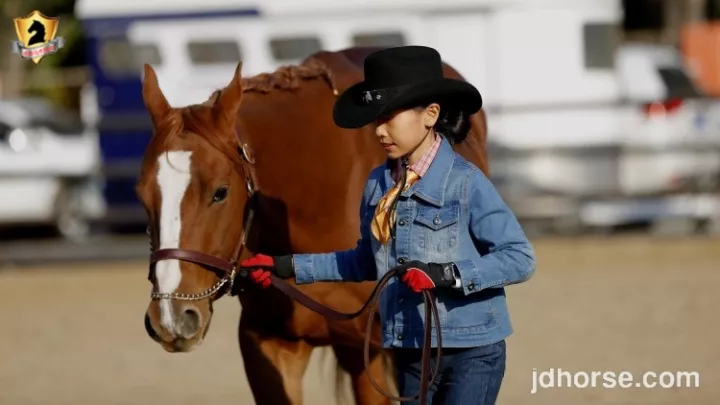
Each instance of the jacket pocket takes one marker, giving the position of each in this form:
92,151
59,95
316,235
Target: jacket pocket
438,218
436,230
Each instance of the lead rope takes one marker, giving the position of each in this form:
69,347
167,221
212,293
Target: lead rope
427,374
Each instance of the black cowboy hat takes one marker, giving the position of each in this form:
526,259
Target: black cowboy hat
401,77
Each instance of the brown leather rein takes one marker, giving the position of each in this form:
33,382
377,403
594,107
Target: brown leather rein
230,270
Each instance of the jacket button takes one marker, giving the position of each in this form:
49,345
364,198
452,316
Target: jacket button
437,221
402,222
471,286
402,260
400,336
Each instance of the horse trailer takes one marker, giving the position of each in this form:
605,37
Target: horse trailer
565,99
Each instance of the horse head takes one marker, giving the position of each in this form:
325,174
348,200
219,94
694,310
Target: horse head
39,32
192,186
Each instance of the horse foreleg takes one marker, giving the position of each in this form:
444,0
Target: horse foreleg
351,360
274,367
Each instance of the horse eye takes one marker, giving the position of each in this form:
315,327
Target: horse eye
220,194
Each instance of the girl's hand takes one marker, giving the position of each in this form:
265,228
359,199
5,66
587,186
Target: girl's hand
261,266
420,276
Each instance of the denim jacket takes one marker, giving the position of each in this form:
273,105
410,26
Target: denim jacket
452,214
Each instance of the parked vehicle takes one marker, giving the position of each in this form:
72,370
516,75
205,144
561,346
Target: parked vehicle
48,169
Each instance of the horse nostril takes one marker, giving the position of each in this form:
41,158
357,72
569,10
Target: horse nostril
189,323
149,329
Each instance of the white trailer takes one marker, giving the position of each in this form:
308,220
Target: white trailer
567,104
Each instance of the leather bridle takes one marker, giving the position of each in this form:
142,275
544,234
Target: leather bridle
230,270
227,268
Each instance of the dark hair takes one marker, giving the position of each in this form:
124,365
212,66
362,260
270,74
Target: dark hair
453,124
454,121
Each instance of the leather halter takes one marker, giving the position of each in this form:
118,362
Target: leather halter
228,267
230,271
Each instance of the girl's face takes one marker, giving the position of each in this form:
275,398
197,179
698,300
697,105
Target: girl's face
404,130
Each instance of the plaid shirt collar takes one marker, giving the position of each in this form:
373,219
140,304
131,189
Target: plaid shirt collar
423,164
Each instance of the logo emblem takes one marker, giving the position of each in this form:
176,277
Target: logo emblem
36,34
373,96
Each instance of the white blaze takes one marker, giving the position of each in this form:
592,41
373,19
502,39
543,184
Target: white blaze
173,179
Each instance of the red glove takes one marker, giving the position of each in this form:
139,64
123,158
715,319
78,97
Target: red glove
261,266
420,276
257,267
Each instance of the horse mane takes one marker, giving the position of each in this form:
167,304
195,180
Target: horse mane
289,77
200,120
284,78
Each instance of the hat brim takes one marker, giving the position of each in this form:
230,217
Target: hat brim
349,112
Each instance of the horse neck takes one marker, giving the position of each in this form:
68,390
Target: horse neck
290,135
269,232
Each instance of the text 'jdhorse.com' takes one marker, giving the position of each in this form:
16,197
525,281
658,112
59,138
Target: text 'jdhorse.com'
559,378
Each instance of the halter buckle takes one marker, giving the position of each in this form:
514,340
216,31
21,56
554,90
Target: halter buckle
231,276
250,186
247,153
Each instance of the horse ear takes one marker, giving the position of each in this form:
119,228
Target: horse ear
154,99
231,96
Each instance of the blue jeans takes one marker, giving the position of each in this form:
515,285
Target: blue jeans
468,376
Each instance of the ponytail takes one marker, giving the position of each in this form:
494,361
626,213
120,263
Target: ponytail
454,121
454,124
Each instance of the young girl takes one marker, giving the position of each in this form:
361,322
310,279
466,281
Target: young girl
448,230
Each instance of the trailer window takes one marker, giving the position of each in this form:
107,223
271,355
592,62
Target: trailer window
215,51
600,41
146,53
116,58
383,39
294,48
119,58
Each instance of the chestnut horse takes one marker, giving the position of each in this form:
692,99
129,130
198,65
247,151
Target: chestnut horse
308,175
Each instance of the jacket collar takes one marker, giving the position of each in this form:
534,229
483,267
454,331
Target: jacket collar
431,186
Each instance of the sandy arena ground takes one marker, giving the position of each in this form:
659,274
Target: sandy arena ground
74,334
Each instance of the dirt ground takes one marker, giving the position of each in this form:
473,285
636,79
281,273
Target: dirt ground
74,334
